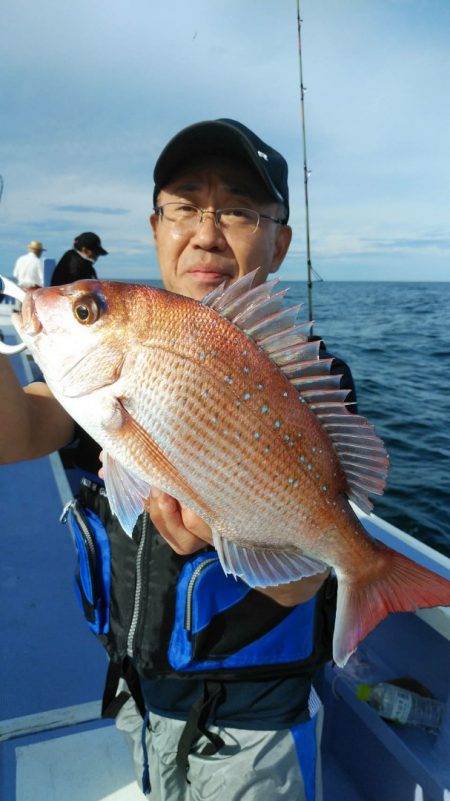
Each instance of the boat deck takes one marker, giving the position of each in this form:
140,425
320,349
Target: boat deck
55,747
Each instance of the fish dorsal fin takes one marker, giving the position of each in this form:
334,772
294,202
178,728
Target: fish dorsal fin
264,317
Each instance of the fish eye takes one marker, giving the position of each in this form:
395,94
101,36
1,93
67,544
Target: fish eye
86,310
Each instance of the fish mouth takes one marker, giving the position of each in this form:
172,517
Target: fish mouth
29,322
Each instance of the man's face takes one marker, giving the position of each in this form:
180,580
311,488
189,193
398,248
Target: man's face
194,263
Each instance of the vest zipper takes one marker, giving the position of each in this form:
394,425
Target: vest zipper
83,526
190,591
138,589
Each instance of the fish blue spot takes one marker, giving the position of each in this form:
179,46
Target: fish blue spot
228,379
247,396
309,466
324,488
245,352
301,459
286,437
238,403
264,409
203,354
285,394
213,353
260,386
246,369
256,435
266,450
277,424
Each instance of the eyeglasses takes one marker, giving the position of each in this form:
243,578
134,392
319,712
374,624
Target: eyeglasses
184,217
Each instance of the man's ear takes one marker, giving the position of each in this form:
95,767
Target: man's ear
153,219
282,242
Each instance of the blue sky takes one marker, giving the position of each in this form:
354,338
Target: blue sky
93,90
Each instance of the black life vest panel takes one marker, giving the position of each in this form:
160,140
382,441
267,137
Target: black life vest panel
175,615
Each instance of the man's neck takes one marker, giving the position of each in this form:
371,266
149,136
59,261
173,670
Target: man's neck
83,256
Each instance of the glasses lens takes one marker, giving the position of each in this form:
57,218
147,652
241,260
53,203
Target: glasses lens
182,215
239,220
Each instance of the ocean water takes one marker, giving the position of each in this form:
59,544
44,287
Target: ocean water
396,339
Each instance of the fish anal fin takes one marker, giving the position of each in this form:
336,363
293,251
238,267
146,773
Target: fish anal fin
259,567
400,585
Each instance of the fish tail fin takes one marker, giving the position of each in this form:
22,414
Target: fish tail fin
400,585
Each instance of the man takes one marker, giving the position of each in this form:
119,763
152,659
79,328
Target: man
79,262
29,269
216,730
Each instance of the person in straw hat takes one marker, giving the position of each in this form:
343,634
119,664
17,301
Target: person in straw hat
29,269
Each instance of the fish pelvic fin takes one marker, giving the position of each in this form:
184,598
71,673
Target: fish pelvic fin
401,586
126,493
275,328
260,567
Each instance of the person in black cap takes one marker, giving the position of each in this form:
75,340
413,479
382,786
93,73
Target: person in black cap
221,674
78,262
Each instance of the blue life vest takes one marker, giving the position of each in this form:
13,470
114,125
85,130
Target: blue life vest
182,616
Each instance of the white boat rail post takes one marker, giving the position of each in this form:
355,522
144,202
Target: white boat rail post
10,289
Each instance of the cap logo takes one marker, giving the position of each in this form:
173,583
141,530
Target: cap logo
263,155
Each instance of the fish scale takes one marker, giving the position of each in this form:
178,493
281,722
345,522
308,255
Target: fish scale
254,436
227,387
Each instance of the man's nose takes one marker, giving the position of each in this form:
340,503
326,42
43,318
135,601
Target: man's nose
207,233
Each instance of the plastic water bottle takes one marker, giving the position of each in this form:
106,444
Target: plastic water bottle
403,706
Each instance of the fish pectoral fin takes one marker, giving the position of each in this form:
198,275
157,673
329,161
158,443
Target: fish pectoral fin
164,474
260,567
126,493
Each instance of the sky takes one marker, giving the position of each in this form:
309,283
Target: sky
92,90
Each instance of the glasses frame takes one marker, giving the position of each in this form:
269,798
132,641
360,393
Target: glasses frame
159,210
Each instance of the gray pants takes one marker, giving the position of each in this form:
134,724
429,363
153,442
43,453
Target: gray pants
251,766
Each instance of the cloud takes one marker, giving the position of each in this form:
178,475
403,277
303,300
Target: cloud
90,109
412,244
91,209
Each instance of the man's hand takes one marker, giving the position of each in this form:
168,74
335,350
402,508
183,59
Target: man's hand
187,533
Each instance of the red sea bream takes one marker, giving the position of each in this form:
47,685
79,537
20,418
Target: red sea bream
227,406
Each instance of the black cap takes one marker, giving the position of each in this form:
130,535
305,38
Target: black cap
91,241
229,138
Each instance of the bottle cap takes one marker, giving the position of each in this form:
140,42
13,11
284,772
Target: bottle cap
363,692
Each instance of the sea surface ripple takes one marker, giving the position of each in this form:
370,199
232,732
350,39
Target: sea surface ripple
396,339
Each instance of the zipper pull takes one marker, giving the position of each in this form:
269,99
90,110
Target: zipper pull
65,512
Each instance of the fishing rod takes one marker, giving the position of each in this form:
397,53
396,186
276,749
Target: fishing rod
306,172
